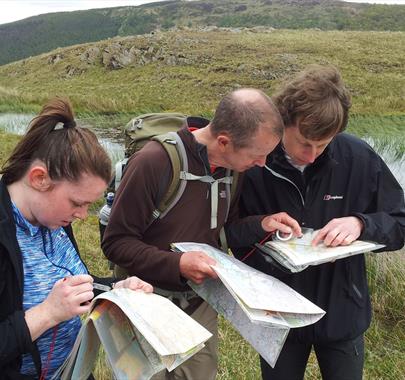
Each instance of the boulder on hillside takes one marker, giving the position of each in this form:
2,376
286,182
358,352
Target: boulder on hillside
71,71
116,57
92,55
55,58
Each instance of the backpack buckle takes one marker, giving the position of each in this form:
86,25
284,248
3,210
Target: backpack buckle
137,124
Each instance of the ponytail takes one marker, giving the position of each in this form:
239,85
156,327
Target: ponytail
66,149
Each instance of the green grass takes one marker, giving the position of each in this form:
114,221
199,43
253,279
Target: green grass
371,63
7,143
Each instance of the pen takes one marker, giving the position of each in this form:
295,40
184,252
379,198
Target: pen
102,287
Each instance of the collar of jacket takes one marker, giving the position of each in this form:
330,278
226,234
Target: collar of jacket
278,162
8,234
199,151
11,248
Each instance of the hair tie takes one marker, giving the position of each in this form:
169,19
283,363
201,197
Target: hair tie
69,124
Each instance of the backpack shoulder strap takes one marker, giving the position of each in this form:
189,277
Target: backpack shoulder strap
230,195
119,171
234,185
176,151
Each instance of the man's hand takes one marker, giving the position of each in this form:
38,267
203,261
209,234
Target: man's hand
339,231
134,283
196,266
282,222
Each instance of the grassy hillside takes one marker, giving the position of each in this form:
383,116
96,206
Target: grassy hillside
43,33
190,70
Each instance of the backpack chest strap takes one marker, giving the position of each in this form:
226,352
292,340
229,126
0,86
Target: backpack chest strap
214,191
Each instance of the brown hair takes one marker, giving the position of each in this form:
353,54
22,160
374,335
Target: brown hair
317,100
241,113
66,149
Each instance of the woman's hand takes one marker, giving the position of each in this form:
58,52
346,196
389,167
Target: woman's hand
134,283
68,298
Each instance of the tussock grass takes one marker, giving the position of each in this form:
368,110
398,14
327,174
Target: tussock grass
218,61
386,274
237,359
385,350
7,143
87,236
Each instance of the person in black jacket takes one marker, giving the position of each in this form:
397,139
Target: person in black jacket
55,172
334,182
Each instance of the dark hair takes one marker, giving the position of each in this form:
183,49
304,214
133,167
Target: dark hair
66,149
241,113
317,100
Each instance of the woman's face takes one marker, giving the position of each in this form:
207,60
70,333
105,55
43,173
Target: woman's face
66,201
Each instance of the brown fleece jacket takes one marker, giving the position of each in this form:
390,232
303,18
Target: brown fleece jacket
141,246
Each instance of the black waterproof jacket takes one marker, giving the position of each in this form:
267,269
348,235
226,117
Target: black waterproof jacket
15,338
348,179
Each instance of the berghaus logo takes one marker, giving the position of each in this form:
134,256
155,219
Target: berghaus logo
328,197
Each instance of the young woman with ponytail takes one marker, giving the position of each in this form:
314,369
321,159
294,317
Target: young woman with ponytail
54,173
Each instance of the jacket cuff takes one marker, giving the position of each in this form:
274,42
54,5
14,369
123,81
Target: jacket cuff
363,220
22,332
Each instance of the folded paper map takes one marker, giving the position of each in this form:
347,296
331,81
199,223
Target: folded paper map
297,254
259,306
141,333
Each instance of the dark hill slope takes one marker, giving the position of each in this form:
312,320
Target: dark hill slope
35,35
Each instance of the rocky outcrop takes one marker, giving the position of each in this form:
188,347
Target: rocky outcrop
156,47
116,56
55,58
91,56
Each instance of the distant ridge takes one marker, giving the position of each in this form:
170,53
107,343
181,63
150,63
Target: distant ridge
39,34
188,69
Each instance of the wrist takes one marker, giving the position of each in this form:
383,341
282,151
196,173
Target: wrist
39,319
263,224
360,223
47,312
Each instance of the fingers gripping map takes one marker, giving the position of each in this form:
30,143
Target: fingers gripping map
259,306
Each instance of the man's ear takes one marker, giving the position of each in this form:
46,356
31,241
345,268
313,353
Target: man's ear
224,142
38,178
